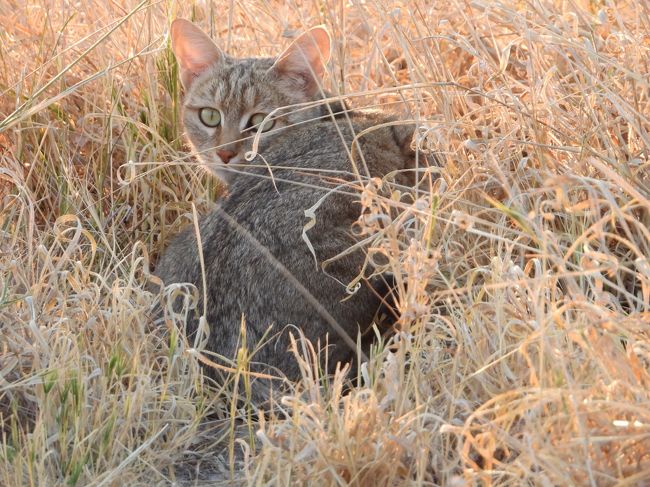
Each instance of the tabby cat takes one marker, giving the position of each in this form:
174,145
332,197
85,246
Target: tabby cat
258,264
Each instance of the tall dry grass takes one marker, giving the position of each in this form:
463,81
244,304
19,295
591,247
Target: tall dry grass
522,355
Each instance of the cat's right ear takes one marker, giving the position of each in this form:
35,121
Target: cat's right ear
194,50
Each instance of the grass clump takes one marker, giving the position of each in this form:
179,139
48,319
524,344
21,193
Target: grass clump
522,283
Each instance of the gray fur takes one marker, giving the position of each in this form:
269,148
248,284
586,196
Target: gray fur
241,280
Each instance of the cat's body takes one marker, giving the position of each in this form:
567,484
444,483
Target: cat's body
257,264
241,280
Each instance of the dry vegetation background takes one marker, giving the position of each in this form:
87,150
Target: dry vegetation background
523,280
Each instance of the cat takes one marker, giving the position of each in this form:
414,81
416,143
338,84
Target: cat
257,264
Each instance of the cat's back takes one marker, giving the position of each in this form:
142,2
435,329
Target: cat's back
321,165
361,143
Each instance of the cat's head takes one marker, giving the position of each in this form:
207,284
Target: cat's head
227,99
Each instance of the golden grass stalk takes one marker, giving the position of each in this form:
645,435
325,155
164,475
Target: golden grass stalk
520,262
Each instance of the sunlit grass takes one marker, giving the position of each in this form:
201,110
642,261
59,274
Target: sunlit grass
520,262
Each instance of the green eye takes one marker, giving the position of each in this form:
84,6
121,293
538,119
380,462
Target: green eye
210,116
257,119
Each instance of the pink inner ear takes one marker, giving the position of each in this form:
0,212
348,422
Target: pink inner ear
303,62
193,49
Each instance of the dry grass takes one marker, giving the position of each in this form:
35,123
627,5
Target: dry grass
523,279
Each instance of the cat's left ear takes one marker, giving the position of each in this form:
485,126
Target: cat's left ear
303,62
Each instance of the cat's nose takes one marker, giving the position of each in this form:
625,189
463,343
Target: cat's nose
226,155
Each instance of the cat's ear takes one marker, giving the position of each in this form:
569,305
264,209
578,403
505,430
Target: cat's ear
193,49
303,62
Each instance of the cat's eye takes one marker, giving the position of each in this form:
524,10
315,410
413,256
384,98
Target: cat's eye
210,116
257,122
